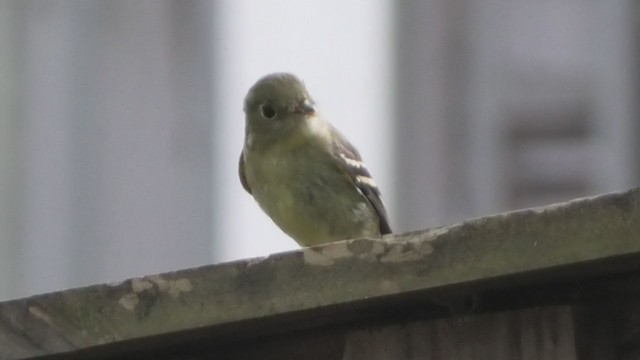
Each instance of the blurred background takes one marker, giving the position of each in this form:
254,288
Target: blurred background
121,122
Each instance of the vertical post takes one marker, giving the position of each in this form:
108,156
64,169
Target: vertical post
420,125
615,109
11,132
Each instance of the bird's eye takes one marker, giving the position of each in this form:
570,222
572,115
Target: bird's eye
267,111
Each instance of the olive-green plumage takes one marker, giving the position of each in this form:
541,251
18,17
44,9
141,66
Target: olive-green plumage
302,172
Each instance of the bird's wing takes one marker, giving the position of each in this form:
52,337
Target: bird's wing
351,163
243,178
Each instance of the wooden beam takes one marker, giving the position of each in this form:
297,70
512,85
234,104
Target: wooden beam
334,283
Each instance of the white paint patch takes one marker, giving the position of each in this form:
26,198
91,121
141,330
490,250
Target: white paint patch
377,249
315,258
423,247
40,314
327,254
173,287
337,250
401,253
129,301
139,285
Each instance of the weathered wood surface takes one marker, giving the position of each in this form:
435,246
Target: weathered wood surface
330,284
530,334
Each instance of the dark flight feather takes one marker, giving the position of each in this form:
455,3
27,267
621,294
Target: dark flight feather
343,150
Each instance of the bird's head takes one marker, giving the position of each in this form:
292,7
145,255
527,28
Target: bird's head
276,107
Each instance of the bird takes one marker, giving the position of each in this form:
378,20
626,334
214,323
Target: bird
303,173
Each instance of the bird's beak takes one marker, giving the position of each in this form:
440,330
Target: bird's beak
306,107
